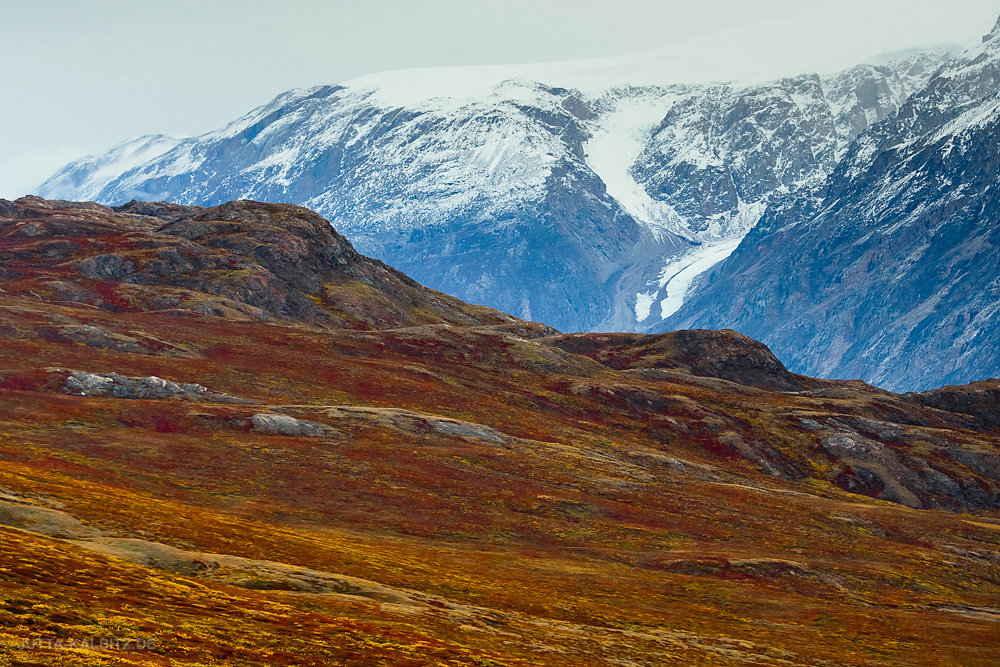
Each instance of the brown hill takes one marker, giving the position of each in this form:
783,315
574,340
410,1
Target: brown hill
263,481
979,399
239,259
720,354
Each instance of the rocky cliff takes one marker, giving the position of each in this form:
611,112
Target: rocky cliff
891,275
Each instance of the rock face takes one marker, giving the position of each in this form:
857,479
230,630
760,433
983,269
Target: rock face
582,202
870,461
892,275
268,261
273,424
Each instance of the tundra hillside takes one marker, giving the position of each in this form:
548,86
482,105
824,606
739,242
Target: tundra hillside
228,438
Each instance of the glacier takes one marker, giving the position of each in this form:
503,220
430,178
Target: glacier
889,271
592,195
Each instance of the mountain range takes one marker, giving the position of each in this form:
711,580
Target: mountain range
608,195
891,272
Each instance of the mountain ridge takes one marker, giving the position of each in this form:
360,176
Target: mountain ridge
902,291
523,198
239,259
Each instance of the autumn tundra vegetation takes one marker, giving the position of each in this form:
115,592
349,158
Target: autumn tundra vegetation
228,438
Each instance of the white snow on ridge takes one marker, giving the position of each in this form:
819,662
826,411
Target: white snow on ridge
120,159
133,154
480,158
974,118
763,55
889,57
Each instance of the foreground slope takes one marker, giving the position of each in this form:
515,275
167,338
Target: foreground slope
893,276
241,483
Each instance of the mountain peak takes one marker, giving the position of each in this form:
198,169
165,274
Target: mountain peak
993,33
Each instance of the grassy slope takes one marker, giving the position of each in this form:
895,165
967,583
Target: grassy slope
577,542
609,517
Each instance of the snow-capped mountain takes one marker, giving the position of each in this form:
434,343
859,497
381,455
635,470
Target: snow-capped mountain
720,158
86,177
589,194
893,275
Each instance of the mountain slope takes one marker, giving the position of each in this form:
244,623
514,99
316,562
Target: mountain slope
556,193
892,276
250,484
85,178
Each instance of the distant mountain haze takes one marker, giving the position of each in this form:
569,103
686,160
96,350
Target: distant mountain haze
608,195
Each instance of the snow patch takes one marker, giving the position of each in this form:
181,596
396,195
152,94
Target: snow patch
643,303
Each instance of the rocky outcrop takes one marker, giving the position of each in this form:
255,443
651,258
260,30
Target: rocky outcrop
245,572
99,337
905,464
726,355
979,399
276,424
113,385
410,422
26,515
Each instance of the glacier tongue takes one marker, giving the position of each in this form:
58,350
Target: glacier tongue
678,275
617,140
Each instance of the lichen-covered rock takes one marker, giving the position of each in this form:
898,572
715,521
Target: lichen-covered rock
467,430
274,424
83,383
42,520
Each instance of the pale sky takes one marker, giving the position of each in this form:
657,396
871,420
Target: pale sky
78,77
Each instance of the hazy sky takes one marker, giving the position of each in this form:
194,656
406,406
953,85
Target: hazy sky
78,77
